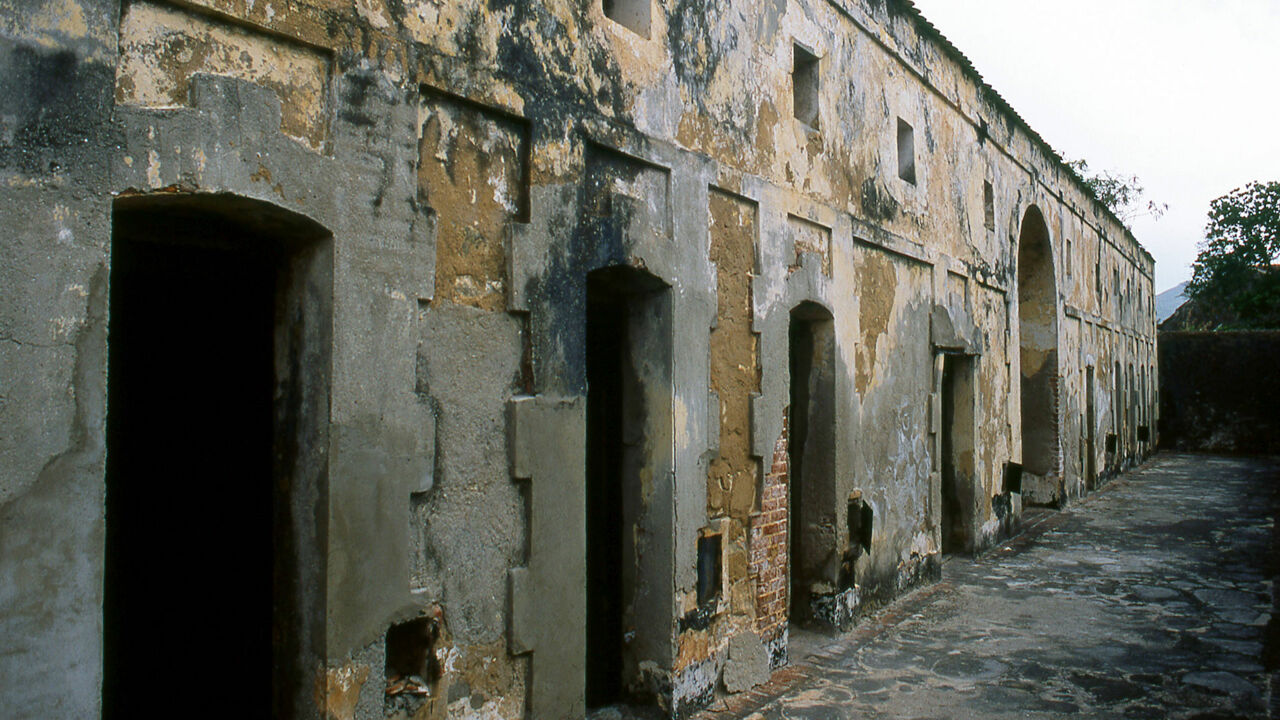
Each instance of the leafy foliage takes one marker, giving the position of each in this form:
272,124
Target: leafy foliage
1233,278
1121,193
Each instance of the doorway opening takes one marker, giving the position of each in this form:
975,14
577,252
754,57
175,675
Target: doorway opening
1117,415
959,476
811,445
1135,419
1090,431
629,496
218,382
1038,346
1140,415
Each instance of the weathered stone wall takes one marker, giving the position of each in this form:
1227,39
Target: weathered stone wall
1219,391
470,164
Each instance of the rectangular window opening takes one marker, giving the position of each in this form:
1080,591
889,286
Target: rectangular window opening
988,206
906,152
631,14
1013,477
708,568
860,517
804,86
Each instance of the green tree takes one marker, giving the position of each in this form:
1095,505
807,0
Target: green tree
1233,278
1122,193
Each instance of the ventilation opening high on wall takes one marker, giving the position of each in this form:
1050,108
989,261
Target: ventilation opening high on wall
632,14
988,205
906,152
805,86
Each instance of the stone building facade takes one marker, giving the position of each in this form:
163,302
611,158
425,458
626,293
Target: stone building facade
501,359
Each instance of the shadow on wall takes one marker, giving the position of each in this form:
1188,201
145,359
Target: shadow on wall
1220,391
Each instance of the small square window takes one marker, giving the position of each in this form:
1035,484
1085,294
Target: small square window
988,205
632,14
906,152
804,86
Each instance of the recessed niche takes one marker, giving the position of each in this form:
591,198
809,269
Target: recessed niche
804,86
632,14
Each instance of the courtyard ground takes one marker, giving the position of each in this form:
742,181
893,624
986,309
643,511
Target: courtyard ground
1152,598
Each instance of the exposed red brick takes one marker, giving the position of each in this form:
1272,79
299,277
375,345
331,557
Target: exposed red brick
768,535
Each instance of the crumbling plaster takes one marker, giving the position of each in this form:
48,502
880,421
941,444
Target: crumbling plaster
461,247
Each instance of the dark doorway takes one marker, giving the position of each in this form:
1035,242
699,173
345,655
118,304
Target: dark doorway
202,576
1117,415
811,453
1131,412
606,364
1090,431
1144,411
629,536
958,476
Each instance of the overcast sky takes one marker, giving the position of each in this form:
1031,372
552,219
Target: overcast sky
1185,94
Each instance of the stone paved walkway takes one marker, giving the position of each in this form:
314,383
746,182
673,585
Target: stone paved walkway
1150,599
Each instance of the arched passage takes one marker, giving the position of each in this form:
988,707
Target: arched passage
217,427
811,453
1038,346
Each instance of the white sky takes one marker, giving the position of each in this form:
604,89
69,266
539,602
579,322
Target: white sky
1185,94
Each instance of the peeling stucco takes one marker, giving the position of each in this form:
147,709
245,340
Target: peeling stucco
468,165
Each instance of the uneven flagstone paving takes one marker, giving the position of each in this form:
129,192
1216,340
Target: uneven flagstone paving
1149,599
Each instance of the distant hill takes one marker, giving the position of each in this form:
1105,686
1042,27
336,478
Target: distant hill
1253,305
1170,300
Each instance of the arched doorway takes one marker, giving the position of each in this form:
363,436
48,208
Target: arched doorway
1038,351
811,453
217,432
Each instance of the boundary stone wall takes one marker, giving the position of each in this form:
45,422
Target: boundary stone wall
1220,391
